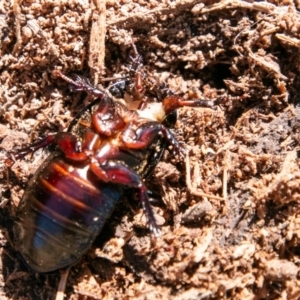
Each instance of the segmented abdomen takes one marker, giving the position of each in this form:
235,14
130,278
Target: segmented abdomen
61,213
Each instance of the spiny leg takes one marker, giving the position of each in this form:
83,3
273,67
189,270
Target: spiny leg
21,153
66,142
144,135
107,118
82,84
117,172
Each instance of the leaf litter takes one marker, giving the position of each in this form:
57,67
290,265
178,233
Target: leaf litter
233,232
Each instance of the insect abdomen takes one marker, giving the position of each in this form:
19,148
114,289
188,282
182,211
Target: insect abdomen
61,212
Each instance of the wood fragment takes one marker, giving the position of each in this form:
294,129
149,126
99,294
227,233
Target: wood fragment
283,38
17,14
62,284
270,67
97,40
228,4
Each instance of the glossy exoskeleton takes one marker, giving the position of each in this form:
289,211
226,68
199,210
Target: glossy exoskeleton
107,149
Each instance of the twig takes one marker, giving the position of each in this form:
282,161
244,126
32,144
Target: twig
62,284
97,40
225,174
17,13
233,4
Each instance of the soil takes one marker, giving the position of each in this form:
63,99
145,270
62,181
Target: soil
233,231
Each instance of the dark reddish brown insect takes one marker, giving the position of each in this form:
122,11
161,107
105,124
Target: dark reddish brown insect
107,149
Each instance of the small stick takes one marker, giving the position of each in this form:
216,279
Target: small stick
225,175
97,40
62,284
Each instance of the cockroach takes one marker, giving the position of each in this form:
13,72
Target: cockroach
107,149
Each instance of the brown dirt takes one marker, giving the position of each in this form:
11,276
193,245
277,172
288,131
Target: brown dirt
239,242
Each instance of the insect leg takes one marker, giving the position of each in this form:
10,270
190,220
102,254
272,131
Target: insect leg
67,143
82,84
145,134
21,153
116,172
70,146
172,103
73,148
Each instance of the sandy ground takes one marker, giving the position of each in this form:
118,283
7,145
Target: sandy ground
236,236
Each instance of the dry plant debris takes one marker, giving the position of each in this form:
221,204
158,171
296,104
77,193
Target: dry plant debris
240,241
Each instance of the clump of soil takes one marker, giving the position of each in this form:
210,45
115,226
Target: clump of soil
231,232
